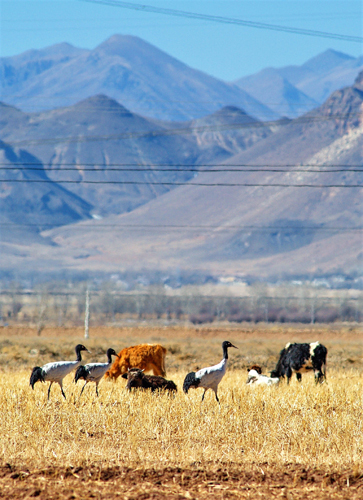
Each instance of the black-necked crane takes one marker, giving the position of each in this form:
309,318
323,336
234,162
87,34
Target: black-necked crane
93,372
55,372
209,378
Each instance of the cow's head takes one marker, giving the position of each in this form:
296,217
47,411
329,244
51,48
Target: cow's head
276,374
134,378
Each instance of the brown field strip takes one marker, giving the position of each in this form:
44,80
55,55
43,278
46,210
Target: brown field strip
219,482
188,347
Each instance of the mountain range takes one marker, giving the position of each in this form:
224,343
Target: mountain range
251,230
99,185
141,77
219,222
91,144
293,90
149,82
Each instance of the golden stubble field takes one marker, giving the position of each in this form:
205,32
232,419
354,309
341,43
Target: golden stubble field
294,441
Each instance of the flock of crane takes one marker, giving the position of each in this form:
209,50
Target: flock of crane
206,378
294,358
55,372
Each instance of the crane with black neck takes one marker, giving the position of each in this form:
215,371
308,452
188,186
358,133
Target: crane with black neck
210,377
93,372
56,371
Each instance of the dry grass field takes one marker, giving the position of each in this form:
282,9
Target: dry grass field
294,442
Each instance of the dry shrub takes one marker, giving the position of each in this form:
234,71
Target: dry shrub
199,319
326,315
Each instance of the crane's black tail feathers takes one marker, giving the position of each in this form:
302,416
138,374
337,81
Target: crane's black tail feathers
37,374
81,372
190,381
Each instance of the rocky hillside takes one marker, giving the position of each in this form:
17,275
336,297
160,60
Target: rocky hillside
117,160
247,229
30,202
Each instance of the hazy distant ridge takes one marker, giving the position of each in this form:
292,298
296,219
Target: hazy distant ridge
143,78
293,90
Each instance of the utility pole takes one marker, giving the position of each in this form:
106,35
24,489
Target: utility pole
86,316
312,311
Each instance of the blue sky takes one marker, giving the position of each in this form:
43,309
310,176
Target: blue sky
225,51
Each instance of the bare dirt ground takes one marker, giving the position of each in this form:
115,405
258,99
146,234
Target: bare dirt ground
295,482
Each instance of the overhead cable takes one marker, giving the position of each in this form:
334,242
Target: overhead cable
226,20
61,168
151,166
90,225
190,183
180,130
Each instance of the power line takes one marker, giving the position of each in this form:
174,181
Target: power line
176,170
277,108
307,15
191,183
224,298
89,106
254,228
226,20
188,165
121,100
96,106
273,108
181,130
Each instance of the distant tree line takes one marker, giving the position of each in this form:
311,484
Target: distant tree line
46,305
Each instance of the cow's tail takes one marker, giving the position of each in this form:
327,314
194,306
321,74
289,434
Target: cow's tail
324,352
324,369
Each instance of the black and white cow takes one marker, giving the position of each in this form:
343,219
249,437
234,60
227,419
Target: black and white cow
301,358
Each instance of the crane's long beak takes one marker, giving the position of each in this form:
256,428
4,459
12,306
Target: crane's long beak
234,346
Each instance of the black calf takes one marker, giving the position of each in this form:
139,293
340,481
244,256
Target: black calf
136,379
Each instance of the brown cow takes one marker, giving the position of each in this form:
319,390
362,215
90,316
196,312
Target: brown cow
144,356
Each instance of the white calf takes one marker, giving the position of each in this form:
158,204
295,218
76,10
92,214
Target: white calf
256,378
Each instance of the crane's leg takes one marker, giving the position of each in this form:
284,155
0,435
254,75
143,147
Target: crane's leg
61,386
50,385
83,388
97,388
217,397
205,390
